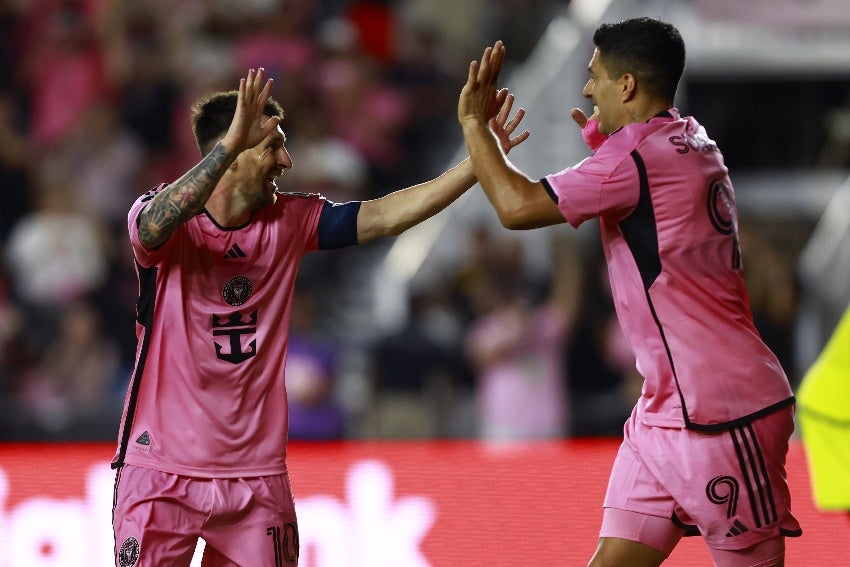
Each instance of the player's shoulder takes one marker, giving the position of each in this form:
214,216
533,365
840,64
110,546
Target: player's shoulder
151,193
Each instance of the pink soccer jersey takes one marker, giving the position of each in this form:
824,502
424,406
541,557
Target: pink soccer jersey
207,396
669,231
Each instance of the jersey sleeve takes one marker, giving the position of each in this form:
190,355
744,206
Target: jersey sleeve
145,257
604,184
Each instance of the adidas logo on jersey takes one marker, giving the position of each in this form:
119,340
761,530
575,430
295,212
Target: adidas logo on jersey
144,439
737,529
235,252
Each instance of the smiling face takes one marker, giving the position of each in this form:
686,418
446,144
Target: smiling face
608,95
259,167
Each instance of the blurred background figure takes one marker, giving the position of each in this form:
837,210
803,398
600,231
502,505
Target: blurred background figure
74,389
315,414
604,383
420,384
515,344
55,255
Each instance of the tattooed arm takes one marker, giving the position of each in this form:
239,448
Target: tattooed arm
187,196
183,199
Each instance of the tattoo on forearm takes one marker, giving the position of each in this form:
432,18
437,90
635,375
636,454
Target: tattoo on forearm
183,199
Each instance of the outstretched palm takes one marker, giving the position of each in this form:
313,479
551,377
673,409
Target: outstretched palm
481,99
247,128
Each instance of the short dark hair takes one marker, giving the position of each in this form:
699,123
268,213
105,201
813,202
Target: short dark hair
212,115
651,50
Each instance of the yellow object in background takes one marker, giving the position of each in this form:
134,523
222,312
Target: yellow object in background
823,403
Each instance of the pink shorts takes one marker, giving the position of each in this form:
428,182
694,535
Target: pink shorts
158,518
729,486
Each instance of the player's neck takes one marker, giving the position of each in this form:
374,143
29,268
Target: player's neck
644,110
226,210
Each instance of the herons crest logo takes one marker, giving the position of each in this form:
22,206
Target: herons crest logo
237,291
128,554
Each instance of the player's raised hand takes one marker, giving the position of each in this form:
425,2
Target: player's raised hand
248,127
480,99
504,128
589,128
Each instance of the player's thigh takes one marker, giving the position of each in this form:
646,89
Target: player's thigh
633,538
154,522
259,543
617,552
768,553
262,533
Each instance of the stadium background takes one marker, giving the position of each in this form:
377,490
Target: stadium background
92,113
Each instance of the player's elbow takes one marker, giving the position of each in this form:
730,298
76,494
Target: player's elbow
528,214
511,219
517,220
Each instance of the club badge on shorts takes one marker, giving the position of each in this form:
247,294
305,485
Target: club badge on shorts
128,554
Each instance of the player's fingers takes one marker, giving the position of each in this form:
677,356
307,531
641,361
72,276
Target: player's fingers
517,140
496,60
501,96
472,78
505,109
484,68
270,124
240,95
249,84
514,122
579,117
265,93
258,82
257,91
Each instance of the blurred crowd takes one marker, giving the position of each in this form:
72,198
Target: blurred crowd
94,99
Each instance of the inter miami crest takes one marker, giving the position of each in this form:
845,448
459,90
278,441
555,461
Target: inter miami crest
237,291
128,554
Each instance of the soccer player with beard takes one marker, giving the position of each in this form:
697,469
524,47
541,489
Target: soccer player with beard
202,443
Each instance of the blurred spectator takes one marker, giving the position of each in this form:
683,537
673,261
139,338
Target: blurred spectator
55,254
377,27
104,164
144,44
311,366
773,290
604,383
419,376
325,163
515,345
16,160
361,107
62,66
13,356
429,80
451,21
70,390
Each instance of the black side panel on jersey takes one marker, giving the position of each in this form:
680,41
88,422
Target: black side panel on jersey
144,316
640,230
338,225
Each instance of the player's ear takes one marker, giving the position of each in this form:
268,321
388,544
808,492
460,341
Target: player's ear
628,84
